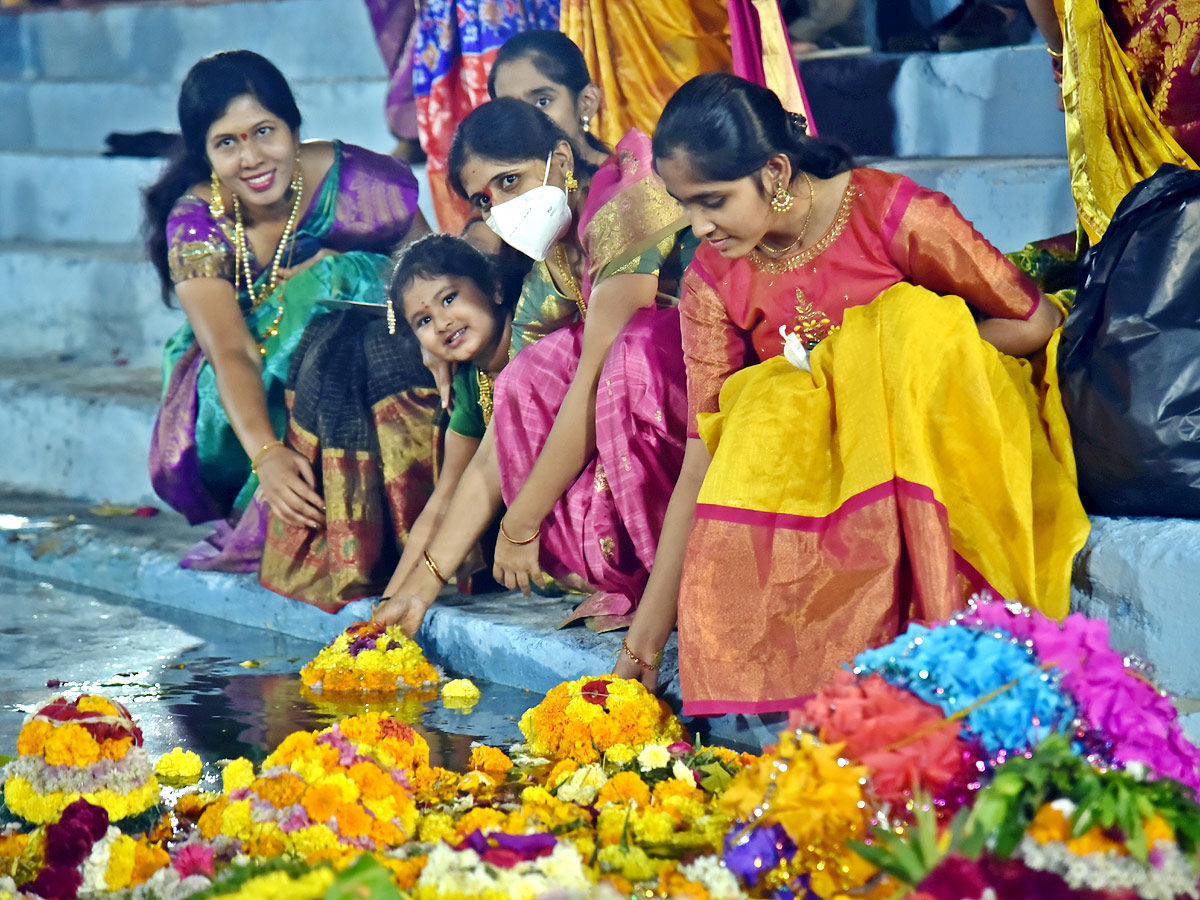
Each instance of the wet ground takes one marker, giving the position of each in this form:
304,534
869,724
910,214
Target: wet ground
218,689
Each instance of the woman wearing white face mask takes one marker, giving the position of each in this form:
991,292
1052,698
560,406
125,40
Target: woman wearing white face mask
588,428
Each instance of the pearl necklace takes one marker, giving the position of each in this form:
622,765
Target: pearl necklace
241,260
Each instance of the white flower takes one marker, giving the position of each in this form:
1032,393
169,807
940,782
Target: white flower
582,785
95,867
681,771
654,756
794,350
710,872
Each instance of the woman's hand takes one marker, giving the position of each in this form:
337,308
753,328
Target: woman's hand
287,484
516,565
292,271
408,604
625,667
443,375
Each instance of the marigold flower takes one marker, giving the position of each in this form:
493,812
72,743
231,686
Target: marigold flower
179,766
321,802
71,745
239,773
481,818
492,760
32,739
624,788
97,704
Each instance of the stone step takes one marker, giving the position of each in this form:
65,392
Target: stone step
157,42
77,430
64,197
97,303
995,102
76,116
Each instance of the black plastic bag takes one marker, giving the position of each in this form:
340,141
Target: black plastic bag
1130,357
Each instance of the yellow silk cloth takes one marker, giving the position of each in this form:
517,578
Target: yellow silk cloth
1114,137
639,53
914,465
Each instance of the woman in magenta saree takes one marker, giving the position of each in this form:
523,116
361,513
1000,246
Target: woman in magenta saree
588,426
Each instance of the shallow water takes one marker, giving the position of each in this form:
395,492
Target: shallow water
218,689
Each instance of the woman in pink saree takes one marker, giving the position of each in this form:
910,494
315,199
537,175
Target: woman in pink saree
588,424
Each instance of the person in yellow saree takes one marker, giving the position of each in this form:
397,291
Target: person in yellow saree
1131,91
898,458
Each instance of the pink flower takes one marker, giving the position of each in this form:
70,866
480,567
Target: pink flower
194,859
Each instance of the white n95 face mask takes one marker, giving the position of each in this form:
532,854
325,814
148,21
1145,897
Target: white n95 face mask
534,221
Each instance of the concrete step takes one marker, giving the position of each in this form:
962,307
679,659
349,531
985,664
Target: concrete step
995,102
98,303
76,429
65,197
76,116
1011,201
157,42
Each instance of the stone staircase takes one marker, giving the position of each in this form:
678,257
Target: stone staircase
82,326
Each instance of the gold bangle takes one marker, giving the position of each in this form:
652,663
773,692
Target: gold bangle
432,567
1057,54
258,455
529,540
650,666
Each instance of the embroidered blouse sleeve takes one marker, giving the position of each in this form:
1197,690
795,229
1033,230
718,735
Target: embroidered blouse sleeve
196,247
713,346
939,249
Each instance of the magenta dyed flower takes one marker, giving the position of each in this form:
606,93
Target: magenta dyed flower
194,859
55,883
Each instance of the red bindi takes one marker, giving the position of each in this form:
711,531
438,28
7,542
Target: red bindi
245,137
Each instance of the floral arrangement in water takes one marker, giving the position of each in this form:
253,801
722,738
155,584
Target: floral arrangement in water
369,657
88,748
583,719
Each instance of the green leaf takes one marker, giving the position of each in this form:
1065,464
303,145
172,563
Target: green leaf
367,879
716,777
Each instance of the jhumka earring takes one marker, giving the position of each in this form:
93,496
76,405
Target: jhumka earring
781,201
216,206
569,181
587,123
391,317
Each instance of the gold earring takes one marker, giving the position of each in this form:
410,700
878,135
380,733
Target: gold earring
391,317
781,201
297,177
569,181
216,206
587,124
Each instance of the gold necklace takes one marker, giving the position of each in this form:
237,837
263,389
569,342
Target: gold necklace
568,278
812,196
486,385
241,260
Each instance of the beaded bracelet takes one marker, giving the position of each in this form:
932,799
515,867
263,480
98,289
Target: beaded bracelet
650,666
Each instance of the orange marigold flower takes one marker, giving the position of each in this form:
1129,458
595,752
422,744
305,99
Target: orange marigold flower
1049,825
353,821
482,818
562,768
624,788
32,739
405,872
190,806
372,781
71,745
210,820
264,844
677,787
673,884
492,760
280,791
322,802
115,748
147,859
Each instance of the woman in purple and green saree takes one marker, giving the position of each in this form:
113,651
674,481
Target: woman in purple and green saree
254,231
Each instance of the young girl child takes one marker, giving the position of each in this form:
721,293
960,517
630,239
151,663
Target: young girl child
453,299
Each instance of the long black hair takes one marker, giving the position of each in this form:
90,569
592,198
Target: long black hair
730,127
208,89
507,130
554,55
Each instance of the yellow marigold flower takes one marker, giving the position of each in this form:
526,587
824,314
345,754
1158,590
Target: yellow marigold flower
32,739
619,755
293,746
27,803
436,826
1157,829
610,824
307,842
476,783
561,771
96,704
121,856
179,766
482,818
405,872
312,885
460,693
652,826
633,863
236,819
71,745
624,788
238,773
280,791
677,787
492,760
1049,825
1094,840
209,822
265,843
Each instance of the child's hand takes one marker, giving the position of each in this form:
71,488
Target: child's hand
443,375
516,564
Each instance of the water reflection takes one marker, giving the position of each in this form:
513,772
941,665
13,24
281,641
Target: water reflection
218,689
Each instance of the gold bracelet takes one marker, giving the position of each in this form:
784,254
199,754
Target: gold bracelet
1057,54
529,540
649,667
432,567
258,455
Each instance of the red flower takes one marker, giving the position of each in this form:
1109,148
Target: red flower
596,692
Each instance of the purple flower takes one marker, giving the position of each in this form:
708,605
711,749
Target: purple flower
750,854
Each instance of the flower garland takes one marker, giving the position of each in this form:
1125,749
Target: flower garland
369,657
583,719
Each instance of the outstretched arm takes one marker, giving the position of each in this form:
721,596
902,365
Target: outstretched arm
655,617
572,438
